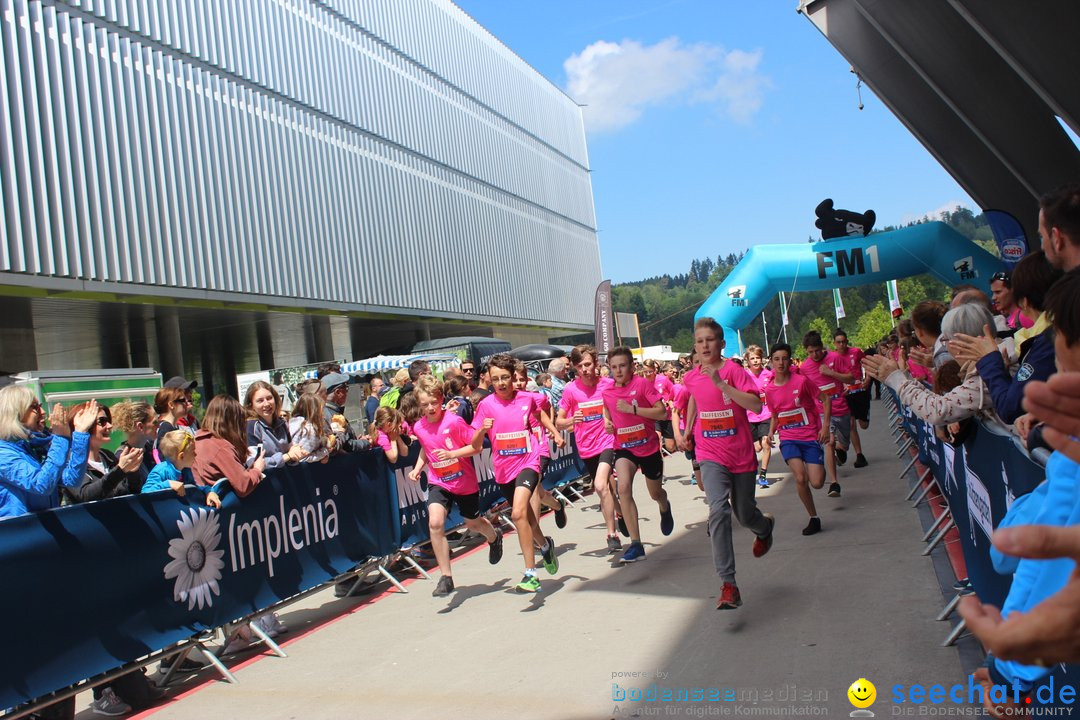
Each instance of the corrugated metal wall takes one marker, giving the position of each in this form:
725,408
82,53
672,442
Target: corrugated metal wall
339,152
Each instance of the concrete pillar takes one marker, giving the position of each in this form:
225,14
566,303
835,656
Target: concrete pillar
170,351
264,339
114,343
358,341
18,349
322,339
136,332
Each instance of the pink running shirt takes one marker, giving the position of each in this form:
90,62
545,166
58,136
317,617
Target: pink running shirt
682,403
794,405
540,434
722,431
513,445
633,432
589,434
833,388
451,433
760,380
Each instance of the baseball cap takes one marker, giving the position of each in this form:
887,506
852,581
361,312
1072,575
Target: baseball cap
181,383
332,380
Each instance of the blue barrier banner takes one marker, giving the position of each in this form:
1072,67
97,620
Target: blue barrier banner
92,587
565,466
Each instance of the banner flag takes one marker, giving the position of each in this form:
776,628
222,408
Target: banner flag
894,299
838,305
604,331
783,309
627,325
1009,236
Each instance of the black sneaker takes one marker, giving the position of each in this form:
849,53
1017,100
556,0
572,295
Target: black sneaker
614,544
622,526
188,666
813,528
834,490
444,588
495,548
841,456
667,522
343,589
560,515
860,461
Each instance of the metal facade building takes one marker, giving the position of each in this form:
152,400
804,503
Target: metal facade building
379,158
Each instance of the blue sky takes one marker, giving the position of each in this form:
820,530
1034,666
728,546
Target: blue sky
715,125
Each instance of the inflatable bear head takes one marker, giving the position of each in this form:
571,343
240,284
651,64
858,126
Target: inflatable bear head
842,223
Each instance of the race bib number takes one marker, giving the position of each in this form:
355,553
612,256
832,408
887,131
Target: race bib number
513,443
446,470
791,419
857,387
717,423
633,436
592,410
832,390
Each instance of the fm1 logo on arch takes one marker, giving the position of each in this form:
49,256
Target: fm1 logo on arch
848,262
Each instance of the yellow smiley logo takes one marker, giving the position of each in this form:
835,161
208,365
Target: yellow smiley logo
862,693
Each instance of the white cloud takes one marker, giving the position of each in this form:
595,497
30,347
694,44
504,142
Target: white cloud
937,214
618,81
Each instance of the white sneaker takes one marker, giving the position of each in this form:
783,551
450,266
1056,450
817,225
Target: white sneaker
279,627
109,704
240,641
268,623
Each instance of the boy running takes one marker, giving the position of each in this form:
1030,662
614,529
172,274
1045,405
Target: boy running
447,442
849,364
582,409
816,369
794,400
505,416
721,393
542,495
631,408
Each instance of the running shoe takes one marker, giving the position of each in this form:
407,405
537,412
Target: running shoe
841,456
961,584
729,597
444,588
560,515
614,544
813,528
495,548
529,584
860,461
635,552
109,704
667,522
622,526
762,481
834,490
762,545
551,561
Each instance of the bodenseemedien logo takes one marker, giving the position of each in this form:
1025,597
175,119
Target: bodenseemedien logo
862,695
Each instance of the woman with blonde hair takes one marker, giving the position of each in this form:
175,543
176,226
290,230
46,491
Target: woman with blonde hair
34,462
137,419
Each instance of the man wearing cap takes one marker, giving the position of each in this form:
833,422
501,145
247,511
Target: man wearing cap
337,393
180,383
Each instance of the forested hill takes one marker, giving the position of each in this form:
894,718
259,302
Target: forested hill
665,305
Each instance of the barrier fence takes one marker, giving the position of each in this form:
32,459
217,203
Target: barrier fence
97,586
979,480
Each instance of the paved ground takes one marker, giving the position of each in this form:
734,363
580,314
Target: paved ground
855,601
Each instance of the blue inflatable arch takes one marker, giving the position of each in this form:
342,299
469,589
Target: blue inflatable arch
765,270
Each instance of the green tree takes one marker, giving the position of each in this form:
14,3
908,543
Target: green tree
872,326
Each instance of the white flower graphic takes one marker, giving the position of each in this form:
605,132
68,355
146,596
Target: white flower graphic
196,562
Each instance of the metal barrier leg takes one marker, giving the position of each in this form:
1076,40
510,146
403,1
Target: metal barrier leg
918,483
558,493
907,467
218,665
905,446
393,580
939,537
574,490
925,492
933,526
944,614
416,566
267,640
959,630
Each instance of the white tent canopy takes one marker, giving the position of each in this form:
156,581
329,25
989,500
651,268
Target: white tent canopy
386,363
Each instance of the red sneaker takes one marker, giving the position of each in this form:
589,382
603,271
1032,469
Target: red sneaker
729,597
762,545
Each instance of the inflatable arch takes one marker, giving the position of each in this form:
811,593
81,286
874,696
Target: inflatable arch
765,270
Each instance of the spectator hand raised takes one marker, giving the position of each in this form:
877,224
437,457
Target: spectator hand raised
86,418
58,421
969,348
130,459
